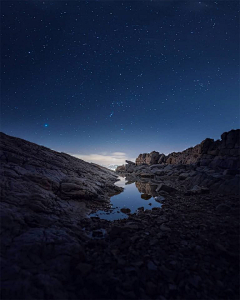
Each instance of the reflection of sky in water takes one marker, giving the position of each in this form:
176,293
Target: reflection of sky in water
129,198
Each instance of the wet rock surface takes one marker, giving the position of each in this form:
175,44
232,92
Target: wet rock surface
187,249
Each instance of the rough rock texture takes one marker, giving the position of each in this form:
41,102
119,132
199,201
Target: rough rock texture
129,167
211,164
44,195
222,154
149,158
187,249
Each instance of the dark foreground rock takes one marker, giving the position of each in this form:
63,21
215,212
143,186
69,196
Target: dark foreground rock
44,195
187,249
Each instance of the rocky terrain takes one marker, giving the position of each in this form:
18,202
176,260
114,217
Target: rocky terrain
50,249
212,164
222,154
44,194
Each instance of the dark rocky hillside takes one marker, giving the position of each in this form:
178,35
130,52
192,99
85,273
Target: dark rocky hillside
44,195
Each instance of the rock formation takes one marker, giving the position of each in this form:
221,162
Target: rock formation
211,164
223,154
187,249
44,195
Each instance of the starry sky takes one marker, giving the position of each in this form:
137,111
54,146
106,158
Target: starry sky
107,80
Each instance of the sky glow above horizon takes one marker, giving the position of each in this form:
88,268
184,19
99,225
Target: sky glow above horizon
107,80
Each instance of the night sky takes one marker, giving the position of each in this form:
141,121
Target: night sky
112,79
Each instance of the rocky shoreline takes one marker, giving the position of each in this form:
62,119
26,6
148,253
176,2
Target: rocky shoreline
187,249
211,164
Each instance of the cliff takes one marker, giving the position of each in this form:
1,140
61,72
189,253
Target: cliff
222,153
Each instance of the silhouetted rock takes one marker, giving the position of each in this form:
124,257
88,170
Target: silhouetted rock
222,154
211,164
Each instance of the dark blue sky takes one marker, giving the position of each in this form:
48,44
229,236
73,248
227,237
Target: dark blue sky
99,77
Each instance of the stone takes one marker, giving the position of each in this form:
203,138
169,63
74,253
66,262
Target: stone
151,288
223,208
183,176
146,175
84,268
125,210
163,227
146,196
148,158
166,188
159,198
230,172
197,190
120,169
151,266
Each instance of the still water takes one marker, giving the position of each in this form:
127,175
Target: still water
134,196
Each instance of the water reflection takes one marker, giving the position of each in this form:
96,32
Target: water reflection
146,188
136,194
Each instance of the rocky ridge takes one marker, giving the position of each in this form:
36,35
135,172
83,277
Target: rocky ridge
222,153
44,195
212,164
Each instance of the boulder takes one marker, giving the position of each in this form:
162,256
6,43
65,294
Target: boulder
196,190
165,188
183,176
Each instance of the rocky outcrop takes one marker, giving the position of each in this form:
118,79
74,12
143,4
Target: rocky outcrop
44,196
129,167
150,158
210,164
222,154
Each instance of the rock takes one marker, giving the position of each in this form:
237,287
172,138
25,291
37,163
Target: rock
131,225
163,227
148,158
146,196
84,268
196,190
151,288
159,198
158,172
146,175
97,233
121,169
231,172
151,266
183,176
222,208
195,281
125,210
218,154
166,188
130,162
42,193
